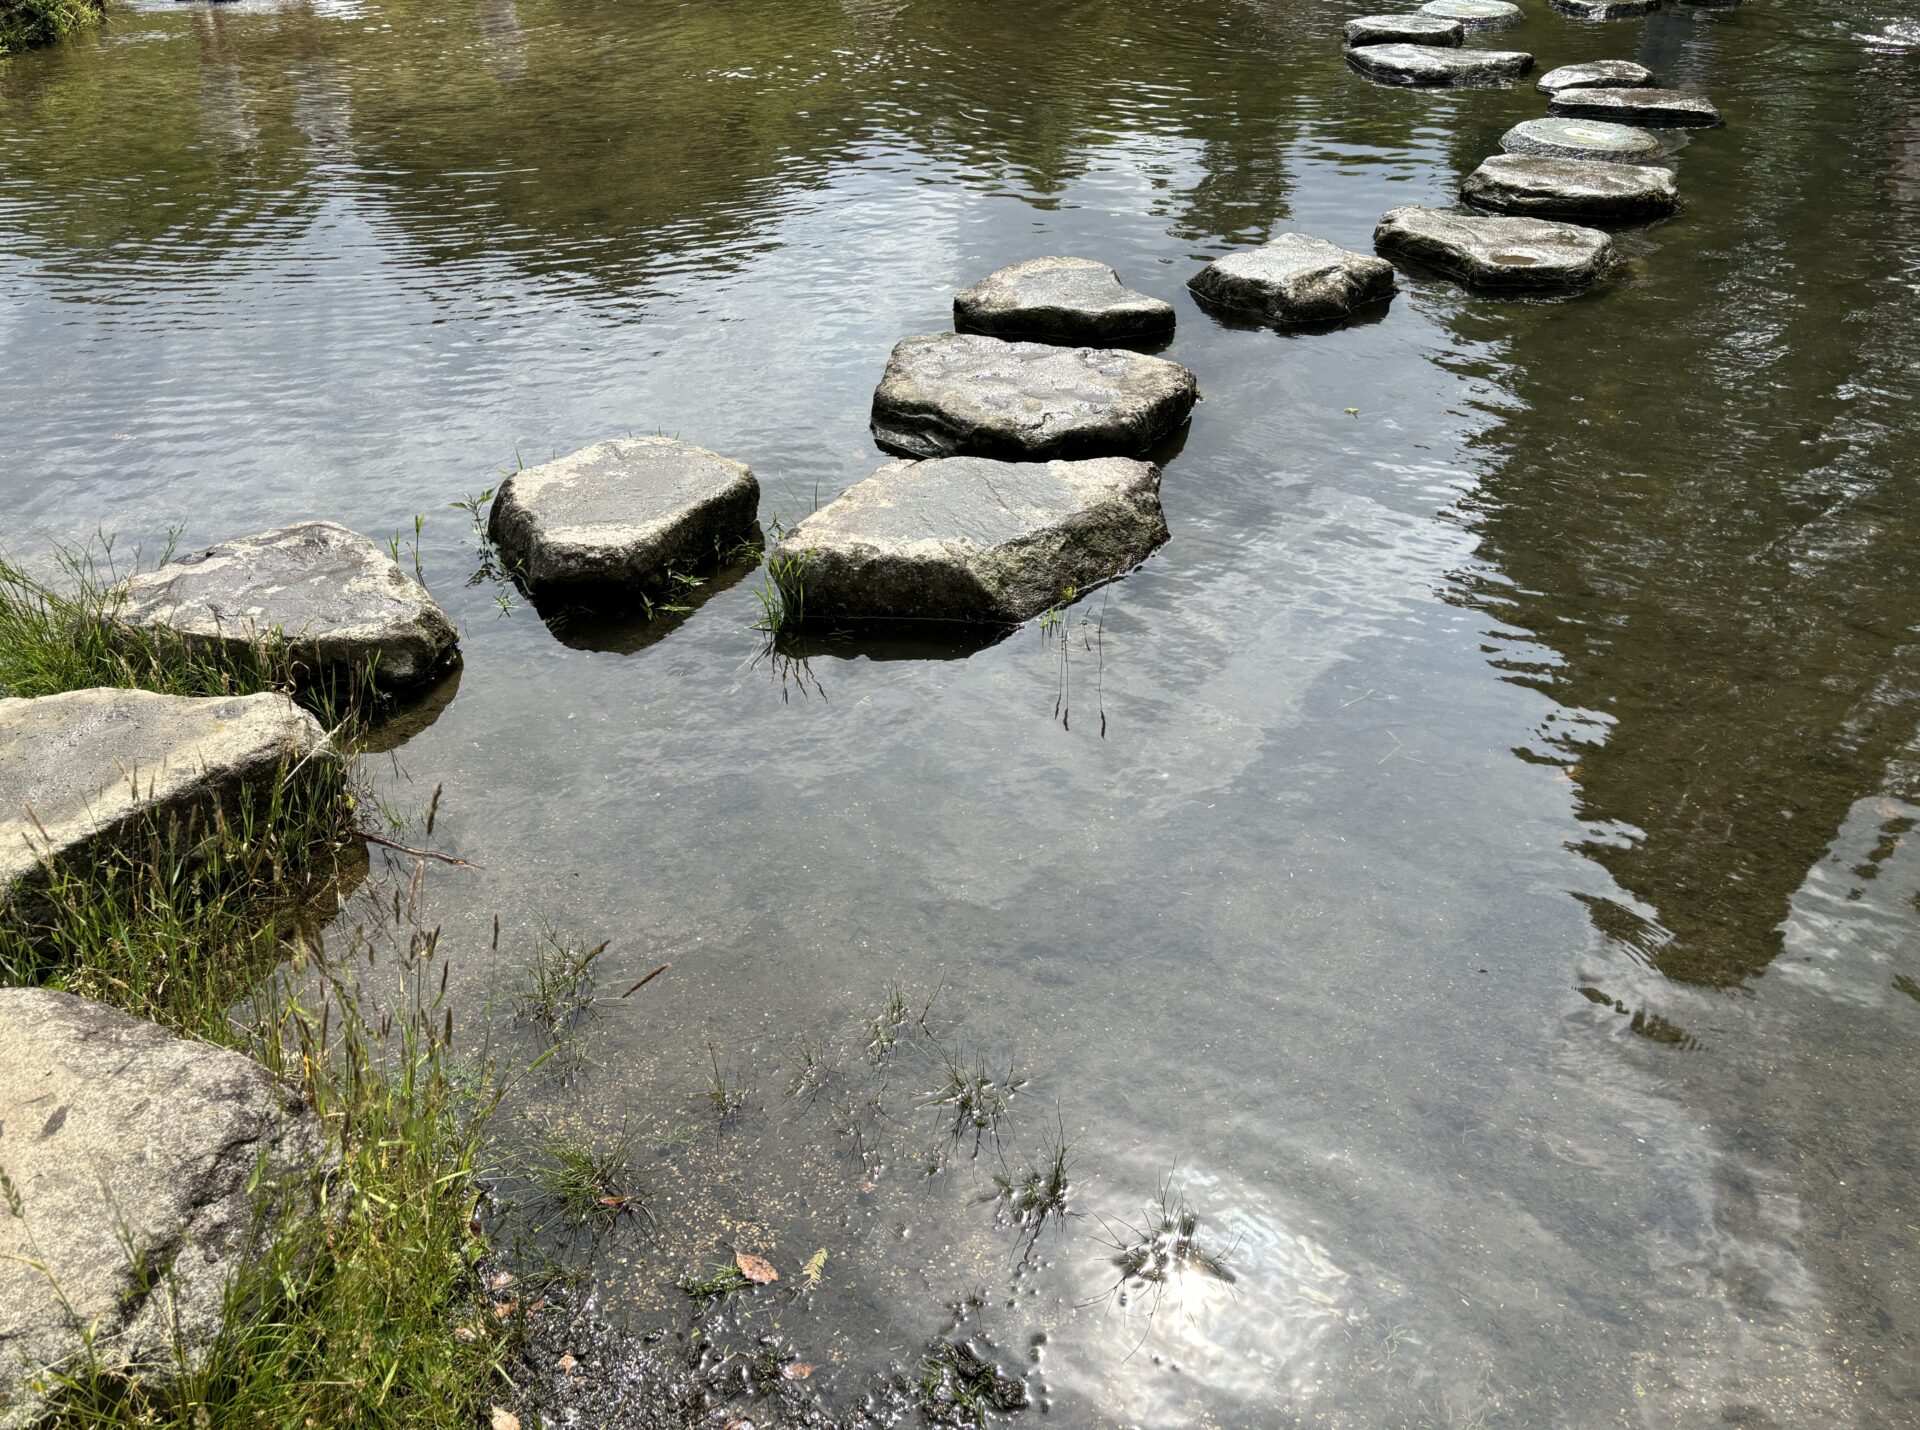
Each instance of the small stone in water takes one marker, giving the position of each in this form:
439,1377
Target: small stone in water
1067,300
1404,30
1295,278
1604,9
1508,253
1595,74
1659,108
1476,14
1437,65
1536,186
1582,139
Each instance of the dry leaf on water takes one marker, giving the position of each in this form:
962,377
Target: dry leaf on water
756,1269
505,1419
796,1370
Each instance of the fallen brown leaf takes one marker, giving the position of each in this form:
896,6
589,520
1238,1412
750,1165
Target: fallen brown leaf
796,1370
756,1269
502,1280
567,1362
505,1419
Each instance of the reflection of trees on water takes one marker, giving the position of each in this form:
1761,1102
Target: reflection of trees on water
585,137
1708,524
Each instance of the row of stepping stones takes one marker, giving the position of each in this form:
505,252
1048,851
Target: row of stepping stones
1585,160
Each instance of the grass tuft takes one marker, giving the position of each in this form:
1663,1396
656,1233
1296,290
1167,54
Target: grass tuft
24,23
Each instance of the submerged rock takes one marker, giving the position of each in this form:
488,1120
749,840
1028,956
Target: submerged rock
951,394
1505,253
1595,74
1654,108
1434,65
1063,300
77,770
1538,187
337,599
1295,278
1404,30
1605,9
1476,14
133,1153
970,540
1582,139
621,514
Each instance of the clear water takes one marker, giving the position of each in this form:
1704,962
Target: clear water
1488,898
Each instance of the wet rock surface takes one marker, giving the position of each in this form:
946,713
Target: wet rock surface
118,1138
335,597
82,768
952,394
1295,278
1655,108
622,513
1535,186
1496,253
1063,300
974,541
1582,139
1435,65
1605,9
1595,74
1404,30
1476,14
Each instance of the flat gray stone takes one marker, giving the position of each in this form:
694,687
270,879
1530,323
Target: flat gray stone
334,596
77,770
621,514
1295,278
1060,300
1605,9
119,1136
1534,186
1582,139
1649,108
1595,74
1476,14
969,540
1404,30
955,394
1435,65
1501,253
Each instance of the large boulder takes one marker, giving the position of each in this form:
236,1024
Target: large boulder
970,540
953,394
621,514
1501,253
1404,30
1583,139
1595,74
1437,65
78,770
1295,278
1647,107
1060,300
1476,14
1604,9
131,1154
337,599
1536,187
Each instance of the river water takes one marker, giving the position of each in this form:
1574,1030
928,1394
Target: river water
1468,868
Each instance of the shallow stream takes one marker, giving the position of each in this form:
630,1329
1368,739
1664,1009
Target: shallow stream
1469,867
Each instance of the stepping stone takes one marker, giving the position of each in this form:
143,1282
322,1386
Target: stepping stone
954,394
621,515
81,769
1060,300
1652,108
133,1153
337,599
974,541
1605,9
1476,14
1582,139
1503,253
1595,74
1295,278
1433,64
1404,30
1537,187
